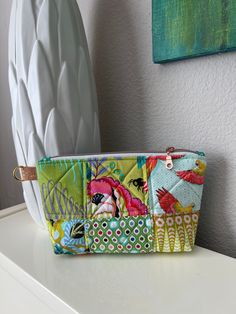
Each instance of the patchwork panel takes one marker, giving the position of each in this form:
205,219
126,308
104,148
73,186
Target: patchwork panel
175,232
177,190
63,188
116,188
120,235
68,236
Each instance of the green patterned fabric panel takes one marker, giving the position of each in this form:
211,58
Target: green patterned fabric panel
124,235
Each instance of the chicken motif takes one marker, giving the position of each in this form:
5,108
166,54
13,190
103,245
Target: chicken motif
196,175
140,184
170,204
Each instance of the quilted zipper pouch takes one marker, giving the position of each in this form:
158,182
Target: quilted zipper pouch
123,202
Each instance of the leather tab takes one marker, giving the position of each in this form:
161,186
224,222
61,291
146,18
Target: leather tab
21,173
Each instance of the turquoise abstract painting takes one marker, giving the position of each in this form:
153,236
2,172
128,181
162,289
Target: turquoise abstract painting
192,28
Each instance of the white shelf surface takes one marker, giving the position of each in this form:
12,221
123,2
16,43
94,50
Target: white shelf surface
32,277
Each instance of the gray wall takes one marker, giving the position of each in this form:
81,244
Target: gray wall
144,106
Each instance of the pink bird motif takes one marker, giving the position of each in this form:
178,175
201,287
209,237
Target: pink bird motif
170,204
194,176
109,196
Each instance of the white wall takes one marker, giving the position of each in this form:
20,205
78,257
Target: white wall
10,190
189,104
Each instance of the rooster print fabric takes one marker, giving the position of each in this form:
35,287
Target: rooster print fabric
122,204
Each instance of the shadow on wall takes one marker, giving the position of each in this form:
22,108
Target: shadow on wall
117,71
215,227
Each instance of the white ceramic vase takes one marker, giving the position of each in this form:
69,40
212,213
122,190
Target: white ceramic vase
52,87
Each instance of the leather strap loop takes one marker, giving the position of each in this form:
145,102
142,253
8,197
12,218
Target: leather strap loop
21,173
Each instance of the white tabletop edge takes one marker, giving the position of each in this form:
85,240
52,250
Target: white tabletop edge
12,210
34,286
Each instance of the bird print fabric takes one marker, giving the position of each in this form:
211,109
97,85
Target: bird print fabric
170,204
195,175
122,204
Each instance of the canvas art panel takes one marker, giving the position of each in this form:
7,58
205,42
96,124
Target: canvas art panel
192,28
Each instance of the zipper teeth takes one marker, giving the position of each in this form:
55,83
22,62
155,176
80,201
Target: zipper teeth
113,154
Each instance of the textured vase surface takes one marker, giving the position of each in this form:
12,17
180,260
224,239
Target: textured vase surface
52,87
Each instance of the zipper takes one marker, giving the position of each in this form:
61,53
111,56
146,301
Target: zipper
169,151
25,173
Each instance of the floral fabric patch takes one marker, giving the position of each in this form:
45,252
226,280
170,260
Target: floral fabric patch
68,237
116,188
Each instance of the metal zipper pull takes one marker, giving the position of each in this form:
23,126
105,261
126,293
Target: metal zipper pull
169,162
